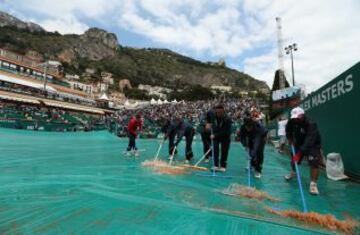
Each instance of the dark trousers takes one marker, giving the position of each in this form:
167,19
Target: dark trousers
132,143
225,145
172,144
205,138
257,154
188,149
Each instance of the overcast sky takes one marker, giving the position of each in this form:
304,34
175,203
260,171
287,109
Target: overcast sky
243,32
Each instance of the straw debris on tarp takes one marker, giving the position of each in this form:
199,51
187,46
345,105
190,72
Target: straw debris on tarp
197,168
162,167
236,190
327,221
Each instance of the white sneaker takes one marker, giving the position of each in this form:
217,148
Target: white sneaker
128,153
222,169
290,176
313,188
257,175
214,168
207,160
136,154
187,162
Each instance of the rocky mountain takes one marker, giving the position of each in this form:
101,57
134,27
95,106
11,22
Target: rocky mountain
9,20
101,51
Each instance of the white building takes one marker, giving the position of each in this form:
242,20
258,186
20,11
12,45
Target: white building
107,78
81,86
155,90
71,77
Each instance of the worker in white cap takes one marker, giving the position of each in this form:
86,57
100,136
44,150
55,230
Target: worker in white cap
303,134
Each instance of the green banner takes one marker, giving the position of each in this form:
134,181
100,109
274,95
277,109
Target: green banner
336,110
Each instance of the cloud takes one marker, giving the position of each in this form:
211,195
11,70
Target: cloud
242,32
64,16
325,32
213,28
66,24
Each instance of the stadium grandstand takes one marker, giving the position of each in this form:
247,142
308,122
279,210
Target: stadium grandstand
29,101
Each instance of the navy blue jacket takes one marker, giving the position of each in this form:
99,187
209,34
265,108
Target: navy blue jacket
221,127
184,129
305,136
253,139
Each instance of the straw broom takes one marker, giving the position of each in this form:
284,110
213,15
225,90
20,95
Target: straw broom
162,167
196,167
236,190
327,221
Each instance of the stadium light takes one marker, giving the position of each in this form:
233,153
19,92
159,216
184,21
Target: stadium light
289,50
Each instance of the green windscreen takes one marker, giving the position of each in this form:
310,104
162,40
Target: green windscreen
81,183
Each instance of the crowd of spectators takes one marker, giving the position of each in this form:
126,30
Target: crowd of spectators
39,115
153,115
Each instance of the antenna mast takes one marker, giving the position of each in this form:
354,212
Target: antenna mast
280,53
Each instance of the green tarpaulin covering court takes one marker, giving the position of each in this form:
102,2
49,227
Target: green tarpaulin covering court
81,183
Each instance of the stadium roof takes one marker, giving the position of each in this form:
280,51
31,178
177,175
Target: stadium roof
18,99
51,103
12,79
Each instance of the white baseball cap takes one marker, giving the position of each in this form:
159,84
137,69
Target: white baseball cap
297,112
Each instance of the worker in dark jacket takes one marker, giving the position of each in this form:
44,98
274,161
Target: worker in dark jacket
303,134
253,138
169,130
205,132
185,129
221,135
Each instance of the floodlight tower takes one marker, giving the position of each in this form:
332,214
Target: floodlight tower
280,53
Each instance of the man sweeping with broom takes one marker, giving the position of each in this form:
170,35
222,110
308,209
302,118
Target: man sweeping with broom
205,133
185,129
134,126
170,128
252,137
221,136
304,136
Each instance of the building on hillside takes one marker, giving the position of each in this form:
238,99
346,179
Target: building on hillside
124,84
100,88
72,77
264,91
221,88
221,63
243,93
88,88
107,78
35,56
158,91
25,66
90,71
117,98
30,63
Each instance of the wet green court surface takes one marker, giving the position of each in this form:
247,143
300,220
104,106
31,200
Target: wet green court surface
81,183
